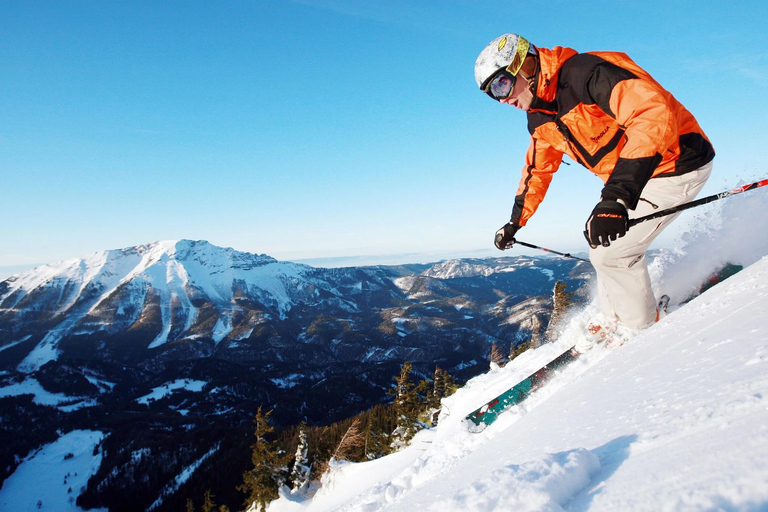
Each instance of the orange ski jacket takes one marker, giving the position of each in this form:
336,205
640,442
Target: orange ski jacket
605,112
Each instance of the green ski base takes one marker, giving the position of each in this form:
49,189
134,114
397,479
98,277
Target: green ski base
488,413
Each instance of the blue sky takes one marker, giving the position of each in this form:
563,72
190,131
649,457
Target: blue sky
319,129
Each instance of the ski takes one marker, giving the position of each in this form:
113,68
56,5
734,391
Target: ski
488,413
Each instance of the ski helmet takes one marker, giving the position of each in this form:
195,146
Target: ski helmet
507,51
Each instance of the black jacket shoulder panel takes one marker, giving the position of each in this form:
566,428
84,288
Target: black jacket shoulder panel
536,119
589,79
601,82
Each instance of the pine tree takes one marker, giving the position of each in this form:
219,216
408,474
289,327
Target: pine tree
449,385
519,349
438,388
407,408
262,482
381,422
562,302
496,356
442,386
301,468
369,437
208,504
352,439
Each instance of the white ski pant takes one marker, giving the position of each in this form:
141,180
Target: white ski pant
623,283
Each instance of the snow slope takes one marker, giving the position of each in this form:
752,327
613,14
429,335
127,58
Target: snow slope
53,477
674,420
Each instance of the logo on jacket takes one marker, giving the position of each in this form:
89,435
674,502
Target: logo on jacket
599,135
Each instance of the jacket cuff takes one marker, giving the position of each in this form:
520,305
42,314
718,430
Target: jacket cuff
629,178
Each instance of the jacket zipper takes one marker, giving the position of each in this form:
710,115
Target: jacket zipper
567,138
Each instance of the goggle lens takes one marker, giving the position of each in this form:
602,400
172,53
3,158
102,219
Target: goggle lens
501,86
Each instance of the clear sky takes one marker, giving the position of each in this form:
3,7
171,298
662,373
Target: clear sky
314,129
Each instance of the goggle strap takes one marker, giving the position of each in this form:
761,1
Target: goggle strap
517,61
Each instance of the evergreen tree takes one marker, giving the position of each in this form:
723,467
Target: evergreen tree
438,388
352,439
449,385
380,423
369,437
407,407
496,356
562,302
519,349
442,386
208,504
262,482
301,468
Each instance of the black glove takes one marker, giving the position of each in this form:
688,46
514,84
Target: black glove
607,223
505,237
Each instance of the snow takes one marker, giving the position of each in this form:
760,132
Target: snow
47,350
52,478
547,272
31,386
103,385
288,382
676,419
14,343
182,477
166,389
223,326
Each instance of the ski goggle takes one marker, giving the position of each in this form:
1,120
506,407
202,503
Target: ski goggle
501,85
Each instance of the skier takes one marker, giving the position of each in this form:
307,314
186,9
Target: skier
605,112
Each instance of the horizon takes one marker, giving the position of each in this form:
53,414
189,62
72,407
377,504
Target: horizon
337,261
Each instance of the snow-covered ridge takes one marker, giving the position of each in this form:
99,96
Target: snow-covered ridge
106,286
454,268
185,262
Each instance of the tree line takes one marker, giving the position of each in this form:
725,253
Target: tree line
295,459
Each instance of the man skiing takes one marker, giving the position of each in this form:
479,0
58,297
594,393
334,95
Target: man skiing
605,112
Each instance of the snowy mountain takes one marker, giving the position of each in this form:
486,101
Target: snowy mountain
675,419
182,289
189,291
167,347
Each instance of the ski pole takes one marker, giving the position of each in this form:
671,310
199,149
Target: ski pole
698,202
563,254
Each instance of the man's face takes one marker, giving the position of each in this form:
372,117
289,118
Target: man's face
521,95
